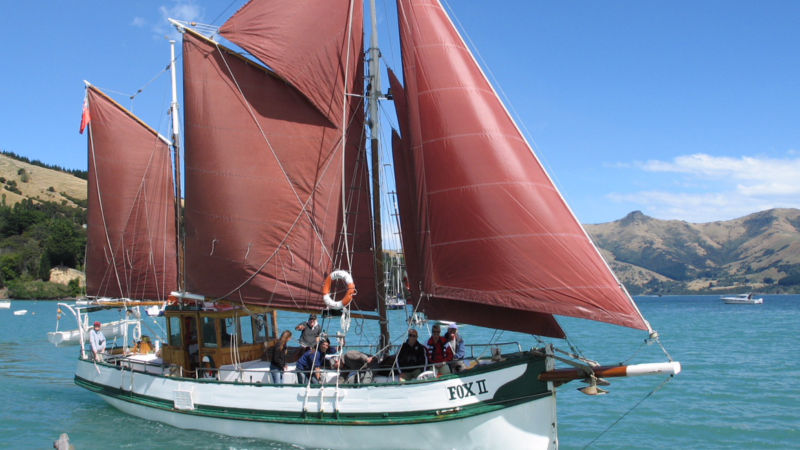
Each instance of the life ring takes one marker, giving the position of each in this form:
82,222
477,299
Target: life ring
326,289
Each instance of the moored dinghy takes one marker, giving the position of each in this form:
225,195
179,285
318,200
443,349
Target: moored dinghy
277,209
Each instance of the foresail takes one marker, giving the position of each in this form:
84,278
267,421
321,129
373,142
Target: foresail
131,247
263,183
315,46
492,229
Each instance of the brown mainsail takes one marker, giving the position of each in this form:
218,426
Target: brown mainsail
264,177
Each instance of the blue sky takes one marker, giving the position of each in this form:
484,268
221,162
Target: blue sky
684,110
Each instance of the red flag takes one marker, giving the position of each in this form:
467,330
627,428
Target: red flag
85,118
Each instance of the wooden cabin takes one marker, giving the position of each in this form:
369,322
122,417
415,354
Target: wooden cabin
222,335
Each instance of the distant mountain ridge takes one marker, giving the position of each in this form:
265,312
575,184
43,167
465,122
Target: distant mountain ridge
758,252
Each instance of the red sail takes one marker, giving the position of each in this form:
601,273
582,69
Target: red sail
494,230
314,46
468,312
263,183
131,235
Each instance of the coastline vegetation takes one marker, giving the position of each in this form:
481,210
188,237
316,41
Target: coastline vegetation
34,237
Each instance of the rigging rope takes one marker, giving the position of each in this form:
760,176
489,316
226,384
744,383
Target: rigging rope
303,205
657,388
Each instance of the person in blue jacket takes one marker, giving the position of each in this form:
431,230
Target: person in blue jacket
310,364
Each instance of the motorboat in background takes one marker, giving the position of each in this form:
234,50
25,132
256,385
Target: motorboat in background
742,299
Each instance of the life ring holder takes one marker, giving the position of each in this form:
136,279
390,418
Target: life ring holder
326,289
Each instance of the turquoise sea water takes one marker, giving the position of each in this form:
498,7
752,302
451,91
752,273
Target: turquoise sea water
739,387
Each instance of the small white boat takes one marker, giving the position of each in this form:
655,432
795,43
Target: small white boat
5,304
20,312
742,299
111,330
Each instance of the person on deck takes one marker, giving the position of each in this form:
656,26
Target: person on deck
309,333
310,364
206,368
438,352
456,344
411,358
277,364
98,341
355,362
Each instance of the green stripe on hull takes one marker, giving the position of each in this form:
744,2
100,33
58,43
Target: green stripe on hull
526,388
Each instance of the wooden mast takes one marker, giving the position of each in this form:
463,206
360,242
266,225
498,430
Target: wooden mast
373,95
176,148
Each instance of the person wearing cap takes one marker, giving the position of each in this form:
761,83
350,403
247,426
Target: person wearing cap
206,369
456,344
411,358
310,331
98,341
310,364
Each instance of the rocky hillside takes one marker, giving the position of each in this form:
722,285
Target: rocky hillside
759,252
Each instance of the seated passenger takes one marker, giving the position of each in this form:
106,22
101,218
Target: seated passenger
438,352
207,368
411,358
310,364
456,344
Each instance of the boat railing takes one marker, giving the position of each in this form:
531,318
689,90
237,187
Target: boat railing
486,350
477,354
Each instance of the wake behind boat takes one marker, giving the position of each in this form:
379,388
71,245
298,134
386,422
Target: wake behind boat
742,299
280,216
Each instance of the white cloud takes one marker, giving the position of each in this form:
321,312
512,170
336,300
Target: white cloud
186,10
728,187
139,22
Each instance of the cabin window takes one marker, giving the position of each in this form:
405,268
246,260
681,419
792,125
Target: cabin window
209,332
175,331
247,329
260,327
228,330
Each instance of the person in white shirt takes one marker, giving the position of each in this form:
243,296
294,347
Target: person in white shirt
98,341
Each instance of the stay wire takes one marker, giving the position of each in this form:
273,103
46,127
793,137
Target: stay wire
613,424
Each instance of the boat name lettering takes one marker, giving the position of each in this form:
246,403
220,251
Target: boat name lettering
467,389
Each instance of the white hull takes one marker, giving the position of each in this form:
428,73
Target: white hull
743,299
5,304
111,330
390,415
510,428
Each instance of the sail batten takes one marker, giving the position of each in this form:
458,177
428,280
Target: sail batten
490,227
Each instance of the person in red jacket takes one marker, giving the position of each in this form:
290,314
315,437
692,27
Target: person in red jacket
439,353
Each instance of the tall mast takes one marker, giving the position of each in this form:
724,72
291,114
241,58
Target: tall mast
176,149
374,93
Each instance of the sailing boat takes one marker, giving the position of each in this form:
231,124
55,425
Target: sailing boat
278,212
